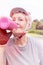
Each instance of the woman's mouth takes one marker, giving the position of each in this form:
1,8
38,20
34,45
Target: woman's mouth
19,37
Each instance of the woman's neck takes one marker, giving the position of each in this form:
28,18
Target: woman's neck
22,41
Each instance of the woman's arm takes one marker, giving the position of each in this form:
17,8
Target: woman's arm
2,55
4,37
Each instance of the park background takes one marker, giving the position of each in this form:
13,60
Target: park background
35,7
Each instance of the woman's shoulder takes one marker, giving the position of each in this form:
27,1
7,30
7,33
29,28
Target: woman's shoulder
37,46
37,41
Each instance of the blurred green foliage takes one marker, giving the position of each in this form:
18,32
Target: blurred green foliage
37,27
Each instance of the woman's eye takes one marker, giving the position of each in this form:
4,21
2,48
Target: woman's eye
21,19
14,19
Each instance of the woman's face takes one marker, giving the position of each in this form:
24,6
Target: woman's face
20,19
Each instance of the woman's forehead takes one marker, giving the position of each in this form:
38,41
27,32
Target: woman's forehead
19,15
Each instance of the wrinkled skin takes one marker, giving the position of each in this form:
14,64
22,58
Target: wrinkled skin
4,36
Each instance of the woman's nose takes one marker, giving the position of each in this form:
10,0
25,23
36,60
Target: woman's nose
17,22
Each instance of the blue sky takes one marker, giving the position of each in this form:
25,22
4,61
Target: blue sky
35,7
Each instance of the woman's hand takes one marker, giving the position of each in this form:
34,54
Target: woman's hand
4,36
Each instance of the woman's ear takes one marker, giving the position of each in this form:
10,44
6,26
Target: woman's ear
27,26
27,23
28,16
28,20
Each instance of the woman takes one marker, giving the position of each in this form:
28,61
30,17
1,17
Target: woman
22,49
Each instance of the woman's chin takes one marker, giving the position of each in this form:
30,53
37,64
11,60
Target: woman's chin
19,35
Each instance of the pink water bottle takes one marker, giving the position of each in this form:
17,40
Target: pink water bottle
6,23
